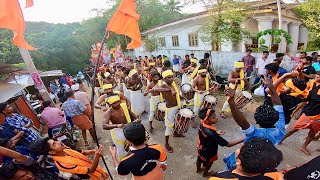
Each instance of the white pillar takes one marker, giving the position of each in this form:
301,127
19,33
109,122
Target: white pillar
283,44
265,23
294,33
303,37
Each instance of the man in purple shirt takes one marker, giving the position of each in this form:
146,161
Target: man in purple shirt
249,61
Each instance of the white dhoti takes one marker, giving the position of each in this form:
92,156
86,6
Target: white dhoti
137,102
126,91
119,140
154,101
185,79
170,119
198,101
117,88
176,68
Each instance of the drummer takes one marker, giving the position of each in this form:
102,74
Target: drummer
119,115
235,77
155,98
134,83
201,87
109,92
171,95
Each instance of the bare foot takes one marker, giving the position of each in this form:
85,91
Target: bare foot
210,173
305,151
200,170
178,135
169,148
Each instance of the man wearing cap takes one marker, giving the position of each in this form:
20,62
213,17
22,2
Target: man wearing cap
171,95
83,97
109,92
134,83
235,77
201,87
119,115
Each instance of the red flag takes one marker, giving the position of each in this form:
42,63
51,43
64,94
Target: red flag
125,21
11,17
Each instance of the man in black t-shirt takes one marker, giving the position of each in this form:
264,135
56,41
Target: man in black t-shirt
310,170
209,139
144,161
308,70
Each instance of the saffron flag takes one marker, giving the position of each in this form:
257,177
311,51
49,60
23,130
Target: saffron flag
125,21
11,17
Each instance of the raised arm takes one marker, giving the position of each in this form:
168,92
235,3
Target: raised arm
236,113
13,154
272,90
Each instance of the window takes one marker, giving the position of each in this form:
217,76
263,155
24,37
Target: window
175,41
162,42
193,39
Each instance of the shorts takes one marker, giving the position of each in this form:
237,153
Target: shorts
206,160
307,122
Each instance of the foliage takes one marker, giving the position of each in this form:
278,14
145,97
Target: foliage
309,12
68,46
276,33
225,21
150,43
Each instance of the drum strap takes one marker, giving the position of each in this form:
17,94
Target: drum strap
159,84
126,112
177,94
207,82
242,81
194,73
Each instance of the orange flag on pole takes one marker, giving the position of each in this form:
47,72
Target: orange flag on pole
11,17
125,21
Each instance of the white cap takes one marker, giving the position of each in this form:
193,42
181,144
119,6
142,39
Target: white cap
107,74
75,87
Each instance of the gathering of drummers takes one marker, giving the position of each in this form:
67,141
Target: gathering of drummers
134,96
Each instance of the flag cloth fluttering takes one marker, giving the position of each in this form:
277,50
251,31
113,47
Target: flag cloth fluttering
125,21
11,17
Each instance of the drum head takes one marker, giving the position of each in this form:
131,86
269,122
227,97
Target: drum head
186,113
186,87
162,106
210,99
247,94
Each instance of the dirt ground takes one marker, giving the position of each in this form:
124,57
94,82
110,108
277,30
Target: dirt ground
181,163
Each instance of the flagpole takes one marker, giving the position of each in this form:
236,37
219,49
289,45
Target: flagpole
92,97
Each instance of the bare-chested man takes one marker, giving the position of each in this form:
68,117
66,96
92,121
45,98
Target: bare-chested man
108,91
235,77
118,115
155,96
201,87
134,83
171,95
108,79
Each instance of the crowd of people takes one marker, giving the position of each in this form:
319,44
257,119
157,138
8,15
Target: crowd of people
182,93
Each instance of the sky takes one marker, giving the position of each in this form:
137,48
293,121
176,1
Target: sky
66,11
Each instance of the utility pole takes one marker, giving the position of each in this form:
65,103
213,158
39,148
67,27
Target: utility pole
280,49
34,74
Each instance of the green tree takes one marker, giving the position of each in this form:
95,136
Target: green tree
174,6
309,12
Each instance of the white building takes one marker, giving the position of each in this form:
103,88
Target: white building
185,34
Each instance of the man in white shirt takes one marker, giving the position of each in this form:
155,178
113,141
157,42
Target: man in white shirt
260,65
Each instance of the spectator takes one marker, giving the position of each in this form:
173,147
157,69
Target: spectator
52,117
298,60
83,97
316,63
260,66
308,71
77,111
176,65
257,159
20,123
278,60
68,160
249,61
